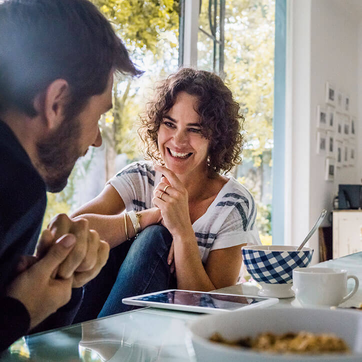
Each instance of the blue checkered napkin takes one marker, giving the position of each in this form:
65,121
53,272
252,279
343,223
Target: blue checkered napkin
275,267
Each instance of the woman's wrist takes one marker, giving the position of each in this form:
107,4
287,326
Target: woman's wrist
149,217
186,236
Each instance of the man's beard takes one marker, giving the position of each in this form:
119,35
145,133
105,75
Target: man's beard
58,153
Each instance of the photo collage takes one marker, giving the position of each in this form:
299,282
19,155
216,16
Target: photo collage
336,131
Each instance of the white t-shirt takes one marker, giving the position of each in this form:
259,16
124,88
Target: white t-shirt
229,220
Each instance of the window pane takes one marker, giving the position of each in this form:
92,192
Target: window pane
249,72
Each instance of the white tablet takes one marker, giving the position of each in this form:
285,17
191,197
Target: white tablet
200,302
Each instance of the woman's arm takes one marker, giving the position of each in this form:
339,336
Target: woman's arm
223,265
221,270
104,214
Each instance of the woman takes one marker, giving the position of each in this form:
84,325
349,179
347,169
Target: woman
192,133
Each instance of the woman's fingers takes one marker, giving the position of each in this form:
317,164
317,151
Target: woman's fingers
170,255
171,177
162,187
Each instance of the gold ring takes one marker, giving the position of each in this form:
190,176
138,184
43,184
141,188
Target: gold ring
164,190
160,197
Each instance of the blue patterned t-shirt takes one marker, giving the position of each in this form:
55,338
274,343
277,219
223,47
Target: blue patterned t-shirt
229,220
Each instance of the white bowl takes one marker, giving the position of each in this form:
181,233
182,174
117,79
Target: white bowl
346,324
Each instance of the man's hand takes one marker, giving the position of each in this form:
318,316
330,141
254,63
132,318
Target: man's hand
88,256
35,286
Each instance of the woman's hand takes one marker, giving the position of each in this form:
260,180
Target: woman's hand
171,197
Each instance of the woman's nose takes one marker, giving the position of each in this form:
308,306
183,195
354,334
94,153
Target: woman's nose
180,137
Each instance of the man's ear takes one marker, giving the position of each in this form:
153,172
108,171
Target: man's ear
51,104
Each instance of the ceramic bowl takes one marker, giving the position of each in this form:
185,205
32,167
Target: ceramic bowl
345,324
272,267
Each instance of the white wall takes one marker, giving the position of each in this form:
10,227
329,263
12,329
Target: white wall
325,38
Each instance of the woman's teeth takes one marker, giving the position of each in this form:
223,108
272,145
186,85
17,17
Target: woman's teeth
179,155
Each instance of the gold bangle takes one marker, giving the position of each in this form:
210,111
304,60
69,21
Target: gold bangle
125,225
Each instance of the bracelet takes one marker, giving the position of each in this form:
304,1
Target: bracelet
125,224
135,218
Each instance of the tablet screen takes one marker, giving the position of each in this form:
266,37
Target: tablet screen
199,299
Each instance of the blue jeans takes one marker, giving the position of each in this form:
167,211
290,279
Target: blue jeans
135,267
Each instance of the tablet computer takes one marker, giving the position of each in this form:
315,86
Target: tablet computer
200,302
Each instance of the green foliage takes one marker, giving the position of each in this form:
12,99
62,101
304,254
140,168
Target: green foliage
140,23
249,66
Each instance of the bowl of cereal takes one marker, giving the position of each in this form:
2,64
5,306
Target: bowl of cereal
279,335
272,267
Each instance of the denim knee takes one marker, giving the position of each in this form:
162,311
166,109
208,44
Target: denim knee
153,237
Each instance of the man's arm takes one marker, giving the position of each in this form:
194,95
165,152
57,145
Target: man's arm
14,321
35,293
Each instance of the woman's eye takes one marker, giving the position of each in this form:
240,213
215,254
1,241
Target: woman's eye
195,130
169,124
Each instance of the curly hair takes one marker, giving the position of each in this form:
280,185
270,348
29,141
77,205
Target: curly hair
220,120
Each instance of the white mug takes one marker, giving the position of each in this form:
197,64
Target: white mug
322,286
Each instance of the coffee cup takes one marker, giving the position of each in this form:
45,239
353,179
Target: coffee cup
322,286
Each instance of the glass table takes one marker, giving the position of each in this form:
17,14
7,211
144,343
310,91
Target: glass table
145,334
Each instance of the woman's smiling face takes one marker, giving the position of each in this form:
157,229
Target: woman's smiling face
181,143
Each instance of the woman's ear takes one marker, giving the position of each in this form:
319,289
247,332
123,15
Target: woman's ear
51,104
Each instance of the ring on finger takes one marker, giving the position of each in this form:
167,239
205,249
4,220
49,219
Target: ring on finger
166,187
160,197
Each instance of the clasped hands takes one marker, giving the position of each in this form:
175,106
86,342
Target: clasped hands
88,255
67,256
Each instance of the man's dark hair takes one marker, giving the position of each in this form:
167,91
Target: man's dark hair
45,40
220,118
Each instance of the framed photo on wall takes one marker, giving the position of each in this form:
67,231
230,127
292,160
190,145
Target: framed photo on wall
321,117
339,100
353,124
339,124
330,169
330,94
347,103
352,155
345,155
331,118
321,142
339,153
330,144
346,127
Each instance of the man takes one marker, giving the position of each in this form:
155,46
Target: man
57,59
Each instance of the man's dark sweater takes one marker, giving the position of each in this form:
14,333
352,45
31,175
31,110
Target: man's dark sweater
22,207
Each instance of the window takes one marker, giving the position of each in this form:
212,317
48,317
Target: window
235,38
